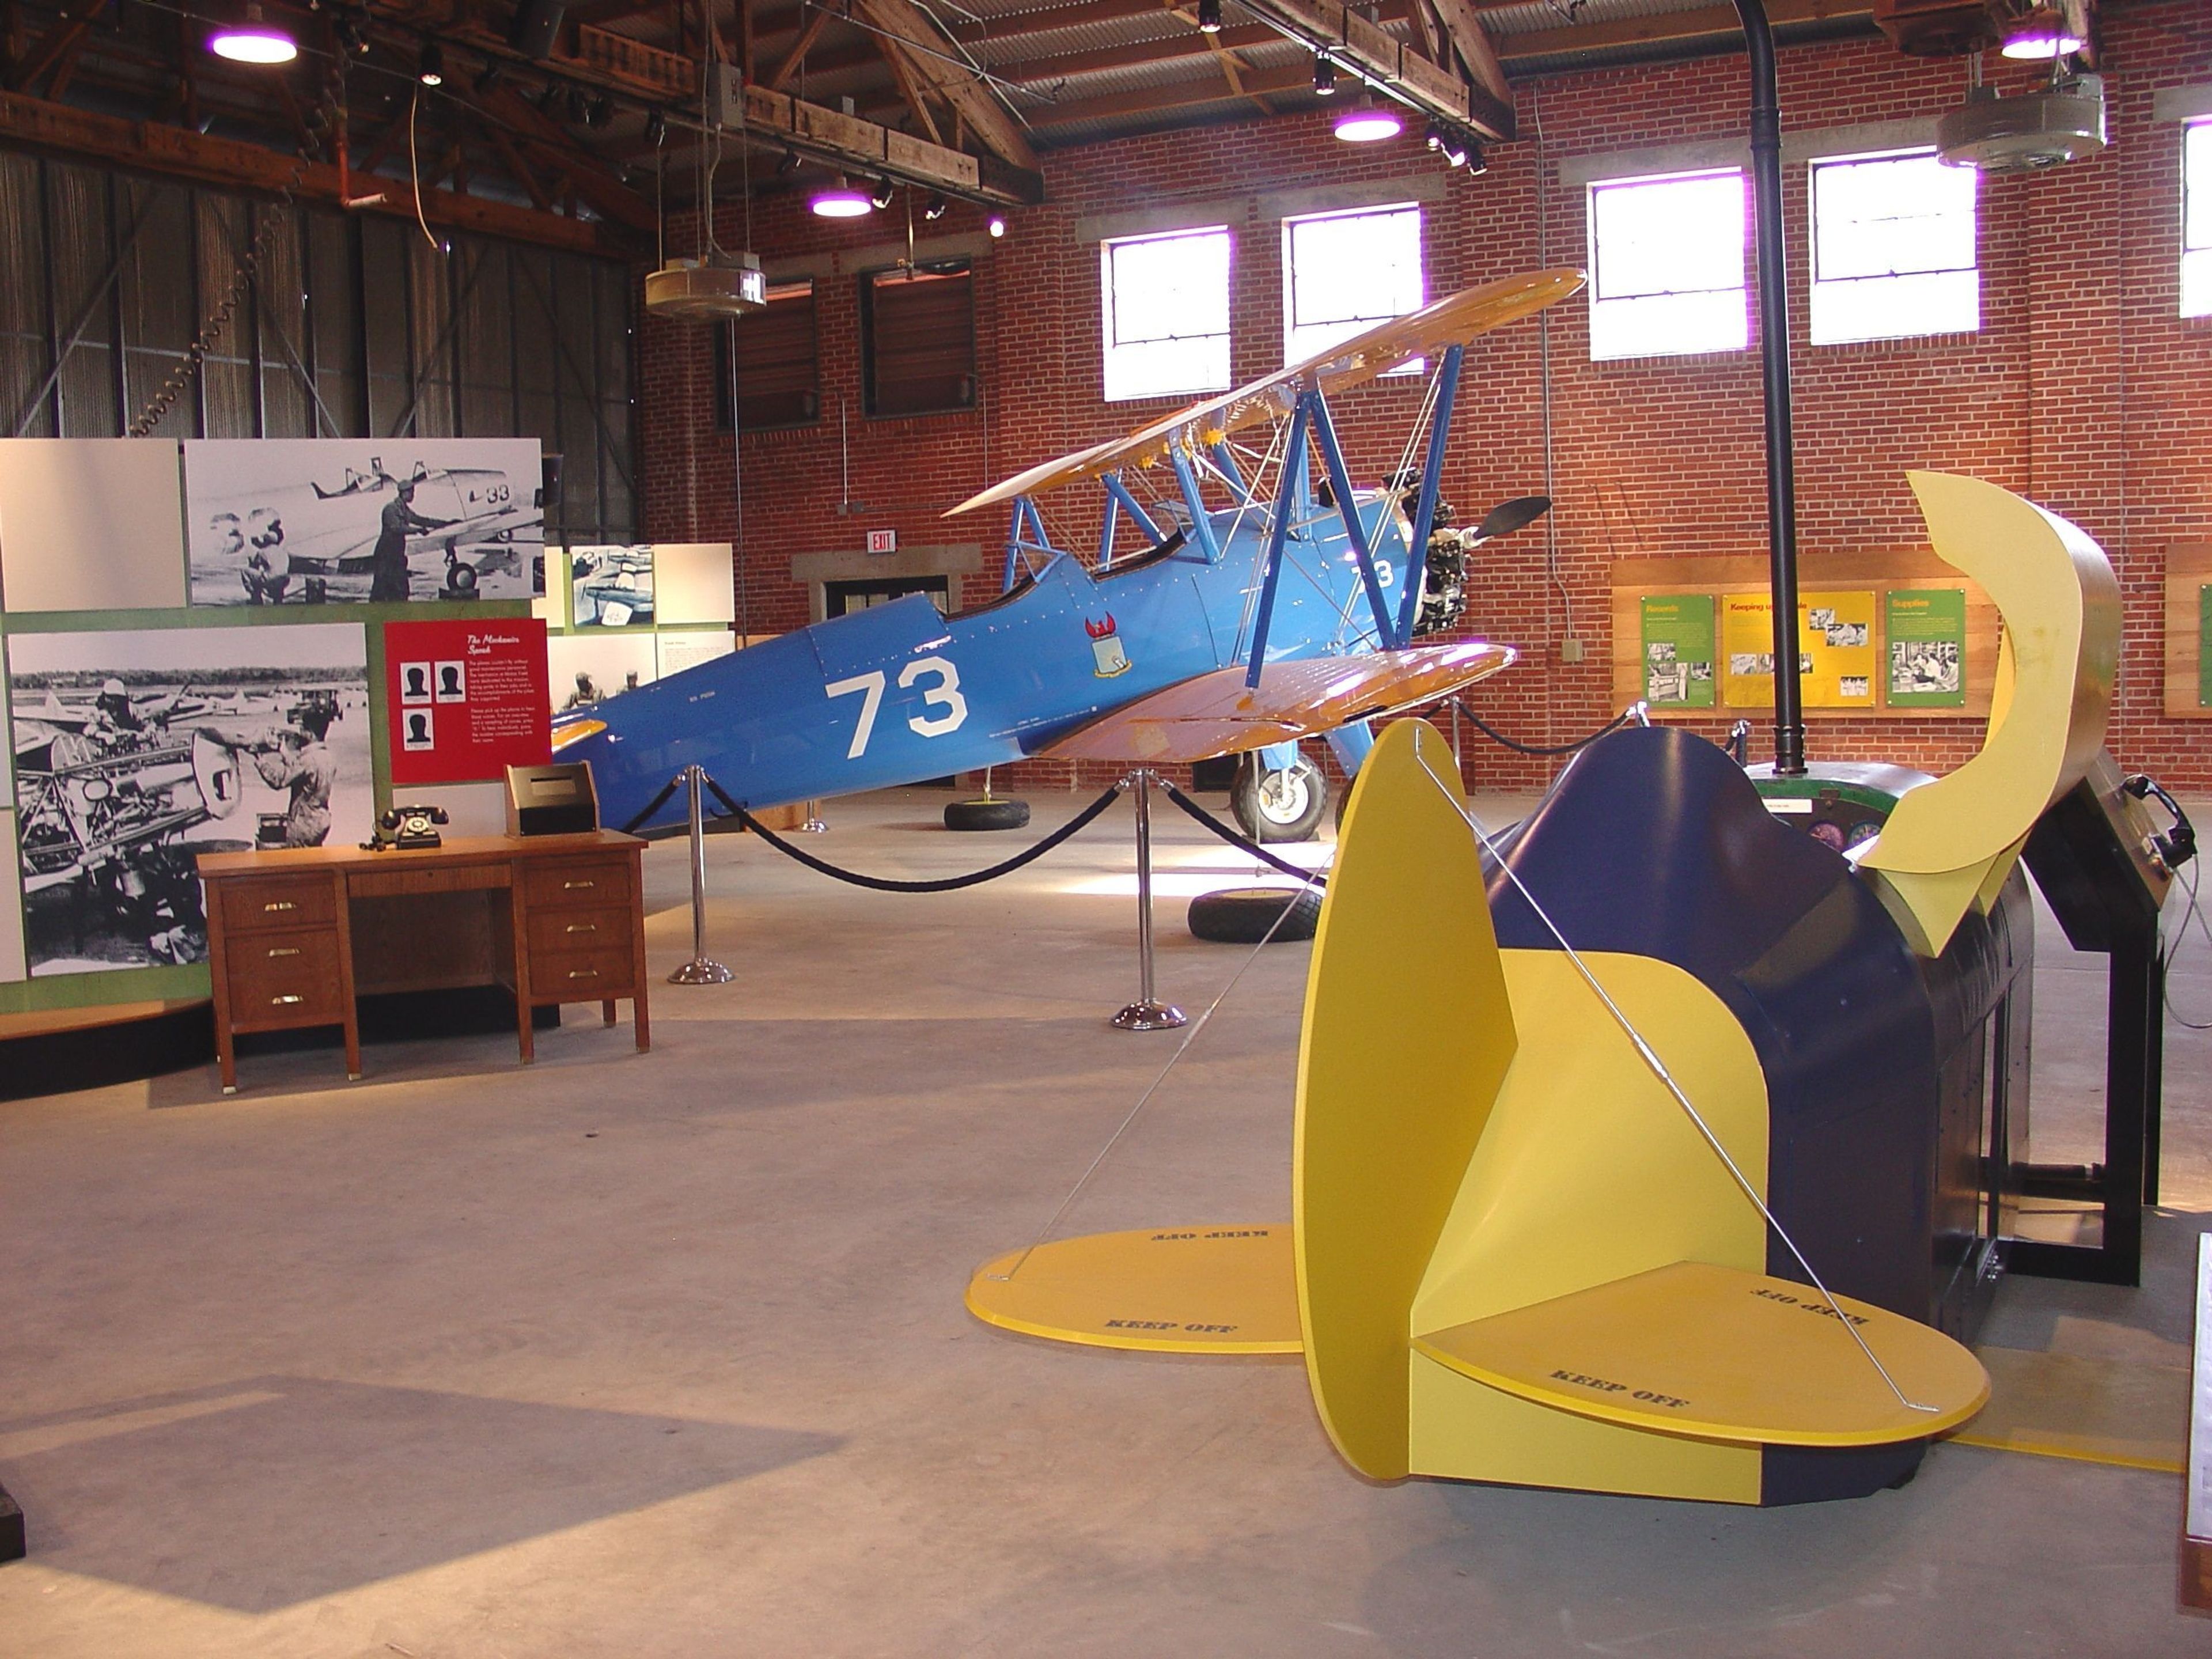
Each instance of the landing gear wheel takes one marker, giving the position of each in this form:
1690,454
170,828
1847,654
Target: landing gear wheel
1242,915
985,814
1285,805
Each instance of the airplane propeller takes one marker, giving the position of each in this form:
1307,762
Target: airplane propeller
1507,517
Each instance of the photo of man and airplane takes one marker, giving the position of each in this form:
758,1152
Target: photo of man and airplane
364,521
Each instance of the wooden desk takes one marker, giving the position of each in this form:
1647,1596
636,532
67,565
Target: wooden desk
295,935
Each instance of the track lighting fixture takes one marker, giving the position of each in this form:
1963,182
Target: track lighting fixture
1324,76
488,77
656,128
577,107
1209,16
430,67
880,197
598,112
935,208
1475,164
787,163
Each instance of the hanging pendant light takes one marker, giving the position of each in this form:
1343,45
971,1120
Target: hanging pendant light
252,39
1368,122
841,201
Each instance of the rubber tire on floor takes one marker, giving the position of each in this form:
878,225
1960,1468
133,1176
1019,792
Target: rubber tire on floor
985,814
1242,915
1244,802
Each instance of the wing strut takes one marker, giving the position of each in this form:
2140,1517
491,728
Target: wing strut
1424,510
1118,491
1201,527
1339,482
1279,525
1018,547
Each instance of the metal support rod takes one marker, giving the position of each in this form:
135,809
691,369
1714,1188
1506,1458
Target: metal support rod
1278,526
1226,459
1120,492
701,969
1147,1012
1106,528
1201,527
1774,368
1424,510
1340,482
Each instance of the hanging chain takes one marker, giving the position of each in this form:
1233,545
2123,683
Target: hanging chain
248,270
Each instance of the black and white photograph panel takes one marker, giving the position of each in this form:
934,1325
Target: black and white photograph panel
136,751
329,521
610,586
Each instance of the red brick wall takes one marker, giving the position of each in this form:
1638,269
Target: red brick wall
2082,389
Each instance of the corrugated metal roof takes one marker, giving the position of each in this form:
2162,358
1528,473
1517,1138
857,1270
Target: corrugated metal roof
1546,15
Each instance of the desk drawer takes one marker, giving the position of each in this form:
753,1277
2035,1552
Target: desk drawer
284,979
581,977
260,902
556,933
399,882
583,884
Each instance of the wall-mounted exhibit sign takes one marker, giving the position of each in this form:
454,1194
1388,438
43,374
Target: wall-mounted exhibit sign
466,699
319,521
611,586
1836,656
1927,632
135,751
2188,630
1881,632
1678,650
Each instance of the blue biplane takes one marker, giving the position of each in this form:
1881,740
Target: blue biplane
1291,611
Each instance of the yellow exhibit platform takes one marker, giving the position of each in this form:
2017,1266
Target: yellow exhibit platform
1208,1289
1667,1350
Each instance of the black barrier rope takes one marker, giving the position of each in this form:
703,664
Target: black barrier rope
950,882
1499,736
1237,841
658,801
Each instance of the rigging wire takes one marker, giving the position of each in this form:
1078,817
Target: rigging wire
1181,1048
1658,1069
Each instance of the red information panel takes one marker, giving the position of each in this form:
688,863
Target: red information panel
467,699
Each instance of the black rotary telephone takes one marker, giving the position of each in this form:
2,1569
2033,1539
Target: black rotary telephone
408,827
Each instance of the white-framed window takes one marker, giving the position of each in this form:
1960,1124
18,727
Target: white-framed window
1167,313
2196,219
1892,248
1667,264
1345,272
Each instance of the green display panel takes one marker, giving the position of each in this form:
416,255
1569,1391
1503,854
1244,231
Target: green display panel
1678,650
1927,632
2204,646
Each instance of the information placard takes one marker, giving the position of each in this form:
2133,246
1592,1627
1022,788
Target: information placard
1678,650
466,699
1836,656
1927,632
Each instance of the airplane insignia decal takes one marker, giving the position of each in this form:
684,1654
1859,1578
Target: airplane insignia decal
1106,647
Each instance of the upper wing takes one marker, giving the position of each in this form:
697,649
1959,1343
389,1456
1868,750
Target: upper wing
1453,320
1217,713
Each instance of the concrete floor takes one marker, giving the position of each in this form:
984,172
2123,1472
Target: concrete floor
665,1355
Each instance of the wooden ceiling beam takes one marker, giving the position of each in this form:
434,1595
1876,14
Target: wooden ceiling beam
808,34
978,105
1184,94
1104,59
180,153
1472,42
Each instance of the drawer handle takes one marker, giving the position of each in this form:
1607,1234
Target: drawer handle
284,1001
583,973
285,950
275,905
573,886
583,927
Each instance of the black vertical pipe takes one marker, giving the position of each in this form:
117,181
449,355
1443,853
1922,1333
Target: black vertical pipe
1774,364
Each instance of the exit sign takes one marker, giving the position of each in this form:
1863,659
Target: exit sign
883,541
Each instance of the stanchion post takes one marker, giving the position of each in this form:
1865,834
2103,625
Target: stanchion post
1147,1012
813,826
701,969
